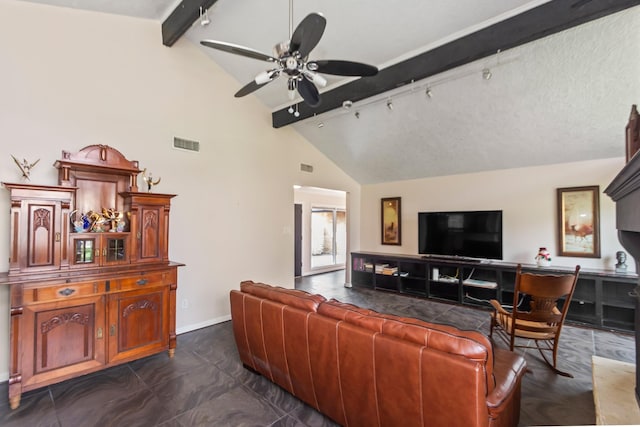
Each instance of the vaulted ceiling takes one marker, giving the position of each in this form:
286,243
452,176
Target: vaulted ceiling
563,76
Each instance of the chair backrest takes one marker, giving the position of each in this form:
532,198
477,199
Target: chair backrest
544,291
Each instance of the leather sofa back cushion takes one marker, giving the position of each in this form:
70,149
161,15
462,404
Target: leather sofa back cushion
351,314
469,344
291,297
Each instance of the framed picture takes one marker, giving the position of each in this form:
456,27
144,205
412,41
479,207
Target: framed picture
579,221
391,221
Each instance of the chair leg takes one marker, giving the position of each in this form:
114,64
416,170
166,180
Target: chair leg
491,324
552,366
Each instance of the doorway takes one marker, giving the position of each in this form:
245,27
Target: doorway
328,236
320,230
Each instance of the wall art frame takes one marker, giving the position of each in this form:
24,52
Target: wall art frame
579,221
391,220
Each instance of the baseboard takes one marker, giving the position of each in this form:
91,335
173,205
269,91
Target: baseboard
195,326
4,376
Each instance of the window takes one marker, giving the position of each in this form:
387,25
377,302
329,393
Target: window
328,237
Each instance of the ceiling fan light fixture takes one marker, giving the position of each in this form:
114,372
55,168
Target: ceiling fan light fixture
316,78
263,78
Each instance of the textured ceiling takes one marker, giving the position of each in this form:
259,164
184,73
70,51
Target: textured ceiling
562,98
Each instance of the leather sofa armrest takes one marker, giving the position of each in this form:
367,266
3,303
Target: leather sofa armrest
509,368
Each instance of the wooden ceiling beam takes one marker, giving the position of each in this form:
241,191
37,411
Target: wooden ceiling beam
182,18
536,23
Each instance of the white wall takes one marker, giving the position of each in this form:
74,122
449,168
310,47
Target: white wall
527,197
319,198
71,78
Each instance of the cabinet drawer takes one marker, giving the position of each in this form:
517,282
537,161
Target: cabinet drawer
145,280
63,291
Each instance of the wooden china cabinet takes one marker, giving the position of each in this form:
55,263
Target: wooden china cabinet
83,300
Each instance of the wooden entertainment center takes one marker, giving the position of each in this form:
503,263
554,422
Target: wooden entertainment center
87,295
601,299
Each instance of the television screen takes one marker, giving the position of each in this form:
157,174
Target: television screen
475,234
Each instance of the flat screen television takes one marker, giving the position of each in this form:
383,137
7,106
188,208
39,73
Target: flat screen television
473,234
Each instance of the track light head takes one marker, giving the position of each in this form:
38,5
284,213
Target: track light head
204,17
390,105
486,74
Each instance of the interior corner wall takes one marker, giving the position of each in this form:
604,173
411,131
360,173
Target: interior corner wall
71,78
527,197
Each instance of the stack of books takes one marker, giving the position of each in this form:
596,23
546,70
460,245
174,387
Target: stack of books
380,267
390,271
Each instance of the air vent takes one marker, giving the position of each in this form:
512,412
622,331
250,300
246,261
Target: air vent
185,144
306,168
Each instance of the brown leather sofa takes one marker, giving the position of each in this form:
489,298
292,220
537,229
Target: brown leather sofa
363,368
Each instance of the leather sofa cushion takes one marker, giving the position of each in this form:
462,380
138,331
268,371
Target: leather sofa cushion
291,297
470,344
352,314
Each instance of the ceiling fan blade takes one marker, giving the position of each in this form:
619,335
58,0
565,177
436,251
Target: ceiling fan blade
309,92
238,50
342,68
250,87
261,79
307,34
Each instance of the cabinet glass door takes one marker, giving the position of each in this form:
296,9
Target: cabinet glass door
84,250
115,249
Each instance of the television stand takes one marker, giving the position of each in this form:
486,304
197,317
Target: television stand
600,300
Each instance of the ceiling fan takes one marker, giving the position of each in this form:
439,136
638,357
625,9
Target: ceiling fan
291,58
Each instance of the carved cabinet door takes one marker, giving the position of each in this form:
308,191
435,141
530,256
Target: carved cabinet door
151,233
62,336
149,226
138,323
39,228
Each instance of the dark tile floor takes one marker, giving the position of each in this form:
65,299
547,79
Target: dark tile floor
205,384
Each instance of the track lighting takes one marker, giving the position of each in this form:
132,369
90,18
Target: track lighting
425,89
204,17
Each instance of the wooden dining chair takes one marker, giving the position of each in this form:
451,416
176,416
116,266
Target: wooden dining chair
539,319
